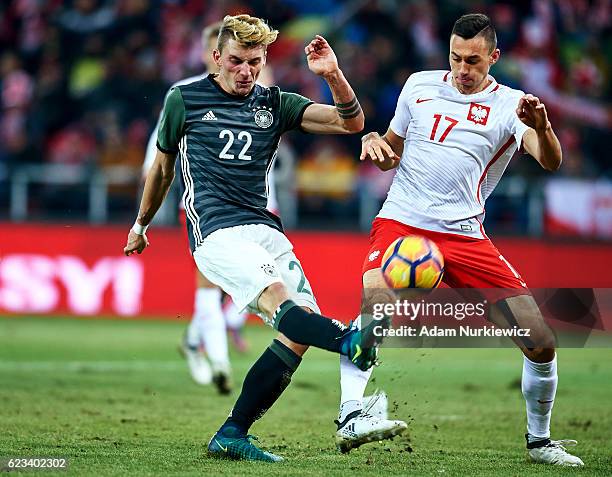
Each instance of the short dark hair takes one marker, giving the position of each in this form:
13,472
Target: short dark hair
474,24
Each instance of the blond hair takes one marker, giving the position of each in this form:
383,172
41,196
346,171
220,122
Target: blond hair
248,31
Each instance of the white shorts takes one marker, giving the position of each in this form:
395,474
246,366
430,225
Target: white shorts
244,260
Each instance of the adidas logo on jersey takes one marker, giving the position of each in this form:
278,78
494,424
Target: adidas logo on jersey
209,116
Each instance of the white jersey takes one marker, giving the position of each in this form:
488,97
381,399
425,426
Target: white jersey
152,151
152,144
456,149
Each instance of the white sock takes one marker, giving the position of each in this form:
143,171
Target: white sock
353,382
193,333
234,318
212,327
539,385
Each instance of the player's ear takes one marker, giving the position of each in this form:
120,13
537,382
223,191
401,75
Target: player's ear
217,57
494,56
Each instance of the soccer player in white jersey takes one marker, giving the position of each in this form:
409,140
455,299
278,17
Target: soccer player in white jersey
210,318
451,138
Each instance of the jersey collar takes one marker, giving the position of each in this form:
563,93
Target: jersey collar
210,78
492,87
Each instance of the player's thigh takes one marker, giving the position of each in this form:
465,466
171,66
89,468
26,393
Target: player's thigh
477,263
292,273
295,281
202,281
239,266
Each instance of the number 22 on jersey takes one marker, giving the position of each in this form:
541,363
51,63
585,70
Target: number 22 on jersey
242,136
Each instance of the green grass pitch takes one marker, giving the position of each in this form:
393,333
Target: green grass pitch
115,398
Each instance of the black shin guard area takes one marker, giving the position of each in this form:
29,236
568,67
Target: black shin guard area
308,328
263,385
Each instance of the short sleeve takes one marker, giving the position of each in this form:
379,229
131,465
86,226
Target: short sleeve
401,118
171,123
517,127
292,107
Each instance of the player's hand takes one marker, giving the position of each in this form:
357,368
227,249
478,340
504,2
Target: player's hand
135,243
321,58
376,148
532,112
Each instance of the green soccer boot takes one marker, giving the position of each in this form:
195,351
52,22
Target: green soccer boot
230,443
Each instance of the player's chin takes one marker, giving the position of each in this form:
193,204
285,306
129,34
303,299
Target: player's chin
465,82
243,87
467,86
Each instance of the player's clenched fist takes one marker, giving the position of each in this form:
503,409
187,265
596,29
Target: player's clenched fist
532,112
135,243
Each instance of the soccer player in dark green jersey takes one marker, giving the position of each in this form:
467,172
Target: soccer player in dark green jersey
226,129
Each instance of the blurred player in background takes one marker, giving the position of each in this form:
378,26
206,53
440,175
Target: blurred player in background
451,138
211,317
226,129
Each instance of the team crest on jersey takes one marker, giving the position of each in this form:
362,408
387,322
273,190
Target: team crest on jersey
269,270
263,118
478,113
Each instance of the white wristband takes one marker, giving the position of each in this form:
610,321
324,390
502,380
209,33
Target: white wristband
139,229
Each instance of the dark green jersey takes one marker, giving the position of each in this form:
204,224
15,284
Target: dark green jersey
226,145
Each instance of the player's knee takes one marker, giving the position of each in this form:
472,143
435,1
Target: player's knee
540,355
542,347
375,292
297,348
373,279
272,297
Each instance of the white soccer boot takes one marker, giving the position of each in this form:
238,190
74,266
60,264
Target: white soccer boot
553,452
198,365
360,428
377,404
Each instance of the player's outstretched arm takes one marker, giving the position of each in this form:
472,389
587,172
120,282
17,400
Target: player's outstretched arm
540,141
156,188
346,116
385,152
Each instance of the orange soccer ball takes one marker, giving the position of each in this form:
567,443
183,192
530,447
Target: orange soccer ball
413,262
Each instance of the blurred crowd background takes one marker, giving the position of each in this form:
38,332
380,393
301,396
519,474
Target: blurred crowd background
82,83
